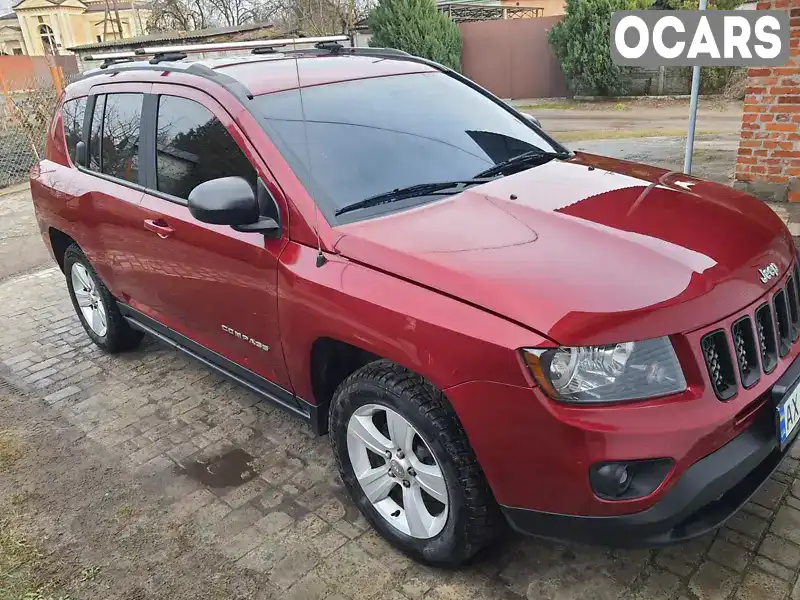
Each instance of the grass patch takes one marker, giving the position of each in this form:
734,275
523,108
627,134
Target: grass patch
12,448
553,105
21,565
573,105
616,134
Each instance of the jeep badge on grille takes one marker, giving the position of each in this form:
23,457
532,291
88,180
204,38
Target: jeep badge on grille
768,272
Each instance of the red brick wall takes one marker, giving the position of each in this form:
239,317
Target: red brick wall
769,148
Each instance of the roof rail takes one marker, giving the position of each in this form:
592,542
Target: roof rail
115,61
111,56
216,47
167,57
327,48
234,86
163,56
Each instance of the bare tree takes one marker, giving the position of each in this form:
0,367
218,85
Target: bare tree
322,17
178,15
311,17
238,12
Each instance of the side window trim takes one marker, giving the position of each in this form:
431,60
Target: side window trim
147,142
88,111
88,117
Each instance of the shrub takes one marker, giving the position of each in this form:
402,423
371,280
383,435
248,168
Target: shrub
417,27
582,44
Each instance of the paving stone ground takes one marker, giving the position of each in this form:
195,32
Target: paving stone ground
101,484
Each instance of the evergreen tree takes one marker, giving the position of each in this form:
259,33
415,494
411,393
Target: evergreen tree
582,44
417,27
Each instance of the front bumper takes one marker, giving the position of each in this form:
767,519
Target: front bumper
706,495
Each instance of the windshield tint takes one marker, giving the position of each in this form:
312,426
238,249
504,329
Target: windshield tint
370,136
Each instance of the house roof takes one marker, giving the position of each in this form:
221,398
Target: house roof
8,16
97,7
56,2
172,36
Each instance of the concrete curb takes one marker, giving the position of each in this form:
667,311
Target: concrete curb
15,189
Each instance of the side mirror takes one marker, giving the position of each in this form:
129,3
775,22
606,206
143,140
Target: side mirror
230,201
80,154
533,120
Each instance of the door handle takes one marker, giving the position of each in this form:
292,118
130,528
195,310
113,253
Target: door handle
159,227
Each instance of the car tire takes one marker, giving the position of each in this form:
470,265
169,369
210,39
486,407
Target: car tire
381,395
101,318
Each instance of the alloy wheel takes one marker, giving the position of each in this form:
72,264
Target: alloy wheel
397,471
88,298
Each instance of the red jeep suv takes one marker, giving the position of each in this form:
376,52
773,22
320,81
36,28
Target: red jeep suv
490,327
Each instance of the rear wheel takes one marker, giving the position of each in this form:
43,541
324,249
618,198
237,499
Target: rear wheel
407,464
95,306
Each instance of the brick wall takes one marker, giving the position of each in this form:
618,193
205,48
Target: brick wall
768,163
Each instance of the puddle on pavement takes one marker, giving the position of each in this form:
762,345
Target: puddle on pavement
229,469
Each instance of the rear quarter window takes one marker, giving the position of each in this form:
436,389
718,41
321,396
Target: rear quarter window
72,116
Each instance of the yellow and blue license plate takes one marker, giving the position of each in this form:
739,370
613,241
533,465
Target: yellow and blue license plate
788,416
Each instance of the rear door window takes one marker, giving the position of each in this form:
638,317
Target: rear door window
72,115
193,146
120,146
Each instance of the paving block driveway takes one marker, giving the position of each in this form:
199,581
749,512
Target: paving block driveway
146,475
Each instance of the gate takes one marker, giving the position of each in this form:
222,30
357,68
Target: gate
512,58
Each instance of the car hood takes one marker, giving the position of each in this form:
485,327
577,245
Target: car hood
586,251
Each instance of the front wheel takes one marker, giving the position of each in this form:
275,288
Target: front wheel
406,463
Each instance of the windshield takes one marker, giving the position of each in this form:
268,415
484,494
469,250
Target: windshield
372,136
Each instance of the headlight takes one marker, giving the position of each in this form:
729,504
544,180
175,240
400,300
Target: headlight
612,373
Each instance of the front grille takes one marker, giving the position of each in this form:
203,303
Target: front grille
766,338
783,322
744,345
757,341
720,367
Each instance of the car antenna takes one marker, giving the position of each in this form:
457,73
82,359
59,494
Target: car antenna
321,260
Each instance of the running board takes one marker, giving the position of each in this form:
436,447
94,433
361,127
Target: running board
314,415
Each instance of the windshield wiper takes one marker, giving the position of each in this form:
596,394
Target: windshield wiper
422,189
519,160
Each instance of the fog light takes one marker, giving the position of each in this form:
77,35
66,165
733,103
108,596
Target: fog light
612,480
630,479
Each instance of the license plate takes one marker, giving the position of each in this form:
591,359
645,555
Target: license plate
788,416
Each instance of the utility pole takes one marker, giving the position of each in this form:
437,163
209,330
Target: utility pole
687,159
